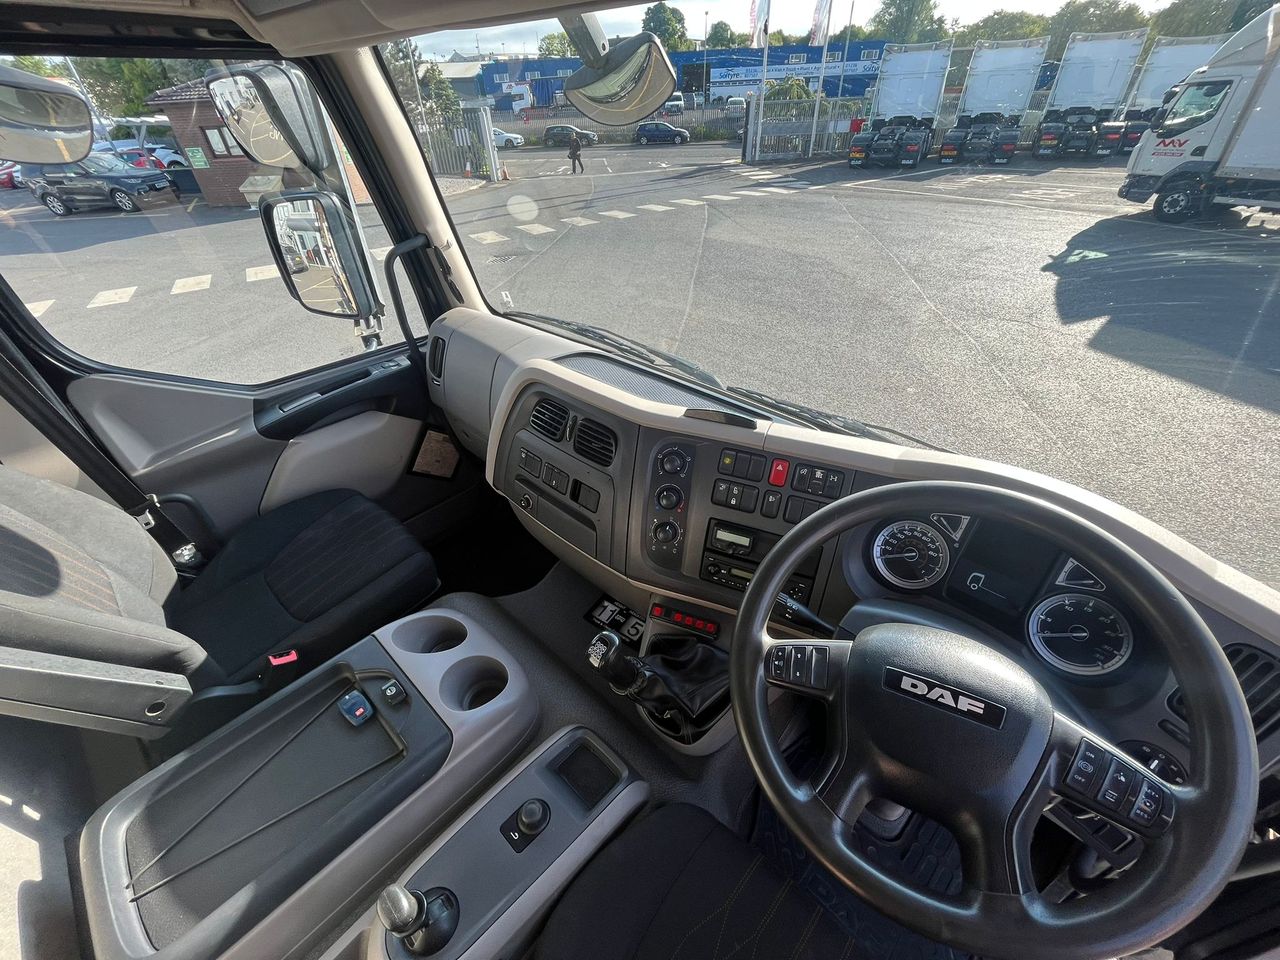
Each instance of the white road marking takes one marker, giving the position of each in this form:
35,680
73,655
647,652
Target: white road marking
488,236
616,214
750,193
261,273
655,207
1045,193
762,175
535,228
734,160
690,203
380,253
191,284
782,190
718,196
578,221
818,186
39,307
106,298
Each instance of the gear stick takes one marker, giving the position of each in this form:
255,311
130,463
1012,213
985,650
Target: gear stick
679,679
423,922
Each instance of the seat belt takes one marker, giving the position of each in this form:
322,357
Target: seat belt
23,387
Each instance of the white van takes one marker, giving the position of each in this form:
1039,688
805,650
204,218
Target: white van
735,107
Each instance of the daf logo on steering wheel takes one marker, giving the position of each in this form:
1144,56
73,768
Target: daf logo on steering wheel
944,697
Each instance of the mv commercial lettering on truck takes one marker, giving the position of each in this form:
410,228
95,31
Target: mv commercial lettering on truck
1214,143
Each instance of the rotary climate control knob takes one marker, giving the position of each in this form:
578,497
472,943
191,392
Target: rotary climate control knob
673,461
669,497
665,532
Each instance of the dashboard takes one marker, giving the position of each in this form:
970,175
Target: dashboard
668,498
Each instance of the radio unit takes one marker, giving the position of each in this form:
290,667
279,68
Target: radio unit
733,552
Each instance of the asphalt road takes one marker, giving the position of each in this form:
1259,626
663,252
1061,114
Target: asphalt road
1023,314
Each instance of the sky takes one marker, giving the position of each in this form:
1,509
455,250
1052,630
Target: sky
791,16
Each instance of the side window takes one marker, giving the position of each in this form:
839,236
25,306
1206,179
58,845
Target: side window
1196,104
169,271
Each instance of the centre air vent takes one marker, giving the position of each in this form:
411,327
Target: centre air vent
1259,676
549,419
595,442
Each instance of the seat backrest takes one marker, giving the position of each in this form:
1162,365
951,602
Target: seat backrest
80,578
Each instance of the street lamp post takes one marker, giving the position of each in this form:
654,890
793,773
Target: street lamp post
706,73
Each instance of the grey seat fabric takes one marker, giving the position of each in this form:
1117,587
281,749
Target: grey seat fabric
80,578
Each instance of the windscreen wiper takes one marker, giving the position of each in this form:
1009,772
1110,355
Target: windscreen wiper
832,422
625,345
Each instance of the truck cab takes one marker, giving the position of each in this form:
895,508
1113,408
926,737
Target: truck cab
1214,141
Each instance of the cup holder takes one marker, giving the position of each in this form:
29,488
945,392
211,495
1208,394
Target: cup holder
471,683
429,633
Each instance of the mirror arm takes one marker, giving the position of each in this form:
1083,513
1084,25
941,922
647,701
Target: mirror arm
416,356
587,37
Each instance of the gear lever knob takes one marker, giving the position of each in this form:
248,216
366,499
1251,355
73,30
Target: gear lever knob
607,654
400,910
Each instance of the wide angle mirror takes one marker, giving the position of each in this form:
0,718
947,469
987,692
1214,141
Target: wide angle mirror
317,254
42,121
621,83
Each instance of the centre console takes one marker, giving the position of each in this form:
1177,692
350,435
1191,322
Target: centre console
247,844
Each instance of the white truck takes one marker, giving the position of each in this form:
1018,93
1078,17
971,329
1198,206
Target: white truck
904,106
1216,141
1087,94
1168,62
1001,78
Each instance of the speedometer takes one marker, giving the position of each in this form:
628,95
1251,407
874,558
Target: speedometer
910,554
1080,634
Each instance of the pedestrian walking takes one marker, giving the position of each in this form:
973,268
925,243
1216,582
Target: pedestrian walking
575,154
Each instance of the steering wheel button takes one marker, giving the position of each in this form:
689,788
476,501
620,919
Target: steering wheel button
1116,786
799,665
1147,805
819,674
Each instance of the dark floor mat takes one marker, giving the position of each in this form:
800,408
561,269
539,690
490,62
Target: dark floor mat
924,852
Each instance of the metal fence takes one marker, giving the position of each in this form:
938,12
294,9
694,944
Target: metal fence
789,130
452,150
709,123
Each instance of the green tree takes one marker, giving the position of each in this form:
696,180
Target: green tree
120,86
851,32
440,98
1091,16
1247,10
555,45
1004,25
790,88
720,35
40,66
741,40
1193,18
667,24
908,21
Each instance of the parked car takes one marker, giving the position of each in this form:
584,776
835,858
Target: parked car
99,180
656,131
508,140
161,156
674,106
559,135
735,107
10,175
296,262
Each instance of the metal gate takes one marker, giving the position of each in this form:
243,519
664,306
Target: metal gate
791,131
452,149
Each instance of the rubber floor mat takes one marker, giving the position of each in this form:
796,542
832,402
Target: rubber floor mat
924,852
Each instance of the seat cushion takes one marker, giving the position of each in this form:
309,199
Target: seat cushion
314,575
80,578
678,886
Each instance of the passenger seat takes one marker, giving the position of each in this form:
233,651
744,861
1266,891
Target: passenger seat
80,578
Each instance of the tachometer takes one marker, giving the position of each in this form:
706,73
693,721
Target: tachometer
911,554
1080,634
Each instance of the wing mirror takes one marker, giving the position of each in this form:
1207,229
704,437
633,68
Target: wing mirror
42,121
618,84
313,240
274,115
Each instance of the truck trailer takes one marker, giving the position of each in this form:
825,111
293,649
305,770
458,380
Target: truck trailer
1168,62
1215,141
1002,76
1087,95
904,106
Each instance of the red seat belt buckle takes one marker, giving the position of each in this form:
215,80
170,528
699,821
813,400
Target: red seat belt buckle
282,668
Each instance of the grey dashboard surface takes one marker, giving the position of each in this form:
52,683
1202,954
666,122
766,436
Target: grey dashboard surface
1238,608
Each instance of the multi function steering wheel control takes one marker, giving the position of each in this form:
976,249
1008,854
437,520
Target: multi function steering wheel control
1106,782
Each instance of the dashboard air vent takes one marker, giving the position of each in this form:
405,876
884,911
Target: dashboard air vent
549,419
595,442
1259,676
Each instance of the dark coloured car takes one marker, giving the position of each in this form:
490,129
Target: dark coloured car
657,131
99,180
559,135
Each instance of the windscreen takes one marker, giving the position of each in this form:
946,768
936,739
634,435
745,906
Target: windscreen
1008,306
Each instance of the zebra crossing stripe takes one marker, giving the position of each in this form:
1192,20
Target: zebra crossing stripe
690,203
260,273
191,284
489,236
579,221
655,207
38,308
616,214
750,193
106,298
535,228
718,196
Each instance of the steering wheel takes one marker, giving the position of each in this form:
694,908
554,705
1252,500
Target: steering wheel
949,727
